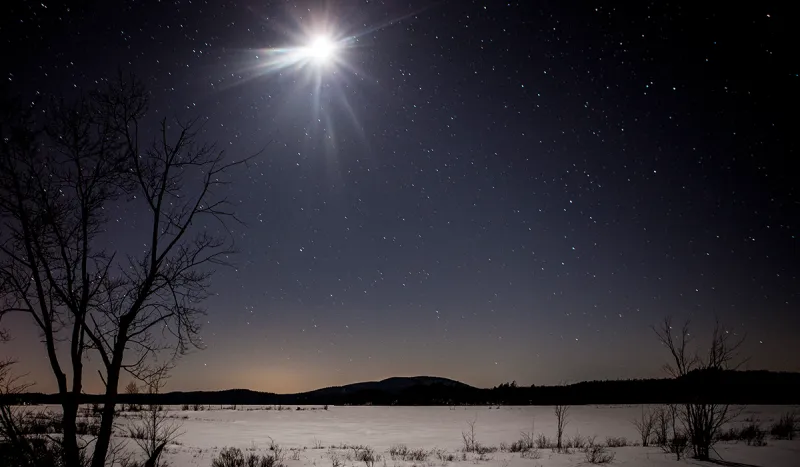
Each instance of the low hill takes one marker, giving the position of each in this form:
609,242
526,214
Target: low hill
736,387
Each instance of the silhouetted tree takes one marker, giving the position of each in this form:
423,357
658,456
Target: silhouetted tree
702,416
645,425
155,429
131,389
561,412
62,174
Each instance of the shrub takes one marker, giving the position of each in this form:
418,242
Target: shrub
482,450
402,452
526,446
645,425
525,443
598,454
254,460
443,456
616,442
398,452
469,438
753,435
731,434
234,457
517,446
228,457
785,427
417,455
543,442
365,455
531,454
577,442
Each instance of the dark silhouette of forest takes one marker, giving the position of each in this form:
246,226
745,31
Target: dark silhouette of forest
733,387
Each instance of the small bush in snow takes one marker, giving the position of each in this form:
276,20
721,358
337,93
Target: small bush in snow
576,442
483,450
543,442
417,455
532,453
366,455
731,434
523,444
753,435
598,454
234,457
785,427
398,452
402,452
616,442
443,456
336,461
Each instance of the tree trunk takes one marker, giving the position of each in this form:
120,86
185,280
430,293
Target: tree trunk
107,421
69,407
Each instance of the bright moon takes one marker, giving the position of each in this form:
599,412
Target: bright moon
321,49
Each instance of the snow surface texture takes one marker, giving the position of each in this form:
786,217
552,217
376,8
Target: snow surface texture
310,438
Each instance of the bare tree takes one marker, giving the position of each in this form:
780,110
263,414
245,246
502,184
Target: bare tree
645,424
131,389
468,437
561,412
661,426
667,431
702,416
156,429
60,176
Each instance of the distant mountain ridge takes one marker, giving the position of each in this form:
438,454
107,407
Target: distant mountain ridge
392,385
736,387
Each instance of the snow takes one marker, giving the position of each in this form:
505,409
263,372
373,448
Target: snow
254,429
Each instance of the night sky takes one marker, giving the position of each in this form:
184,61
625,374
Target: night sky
486,191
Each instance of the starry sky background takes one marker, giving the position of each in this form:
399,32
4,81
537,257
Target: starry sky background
495,191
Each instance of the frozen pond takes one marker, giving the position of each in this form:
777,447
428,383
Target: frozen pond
310,437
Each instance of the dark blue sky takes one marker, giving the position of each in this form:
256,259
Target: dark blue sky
487,191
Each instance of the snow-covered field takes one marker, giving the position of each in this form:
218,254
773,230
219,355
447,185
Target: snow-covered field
307,436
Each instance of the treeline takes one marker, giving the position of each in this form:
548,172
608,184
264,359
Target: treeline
733,387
